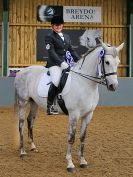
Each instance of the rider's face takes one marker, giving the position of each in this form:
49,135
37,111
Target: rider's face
57,27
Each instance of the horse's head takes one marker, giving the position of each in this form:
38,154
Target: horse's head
110,63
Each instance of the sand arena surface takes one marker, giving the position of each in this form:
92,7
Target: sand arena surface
108,145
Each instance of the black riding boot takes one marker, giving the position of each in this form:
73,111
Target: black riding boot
53,90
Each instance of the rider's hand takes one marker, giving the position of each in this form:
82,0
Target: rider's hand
64,65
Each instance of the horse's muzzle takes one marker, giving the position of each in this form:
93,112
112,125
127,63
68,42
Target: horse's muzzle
112,87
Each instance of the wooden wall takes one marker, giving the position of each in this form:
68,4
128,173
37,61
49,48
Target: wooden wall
23,25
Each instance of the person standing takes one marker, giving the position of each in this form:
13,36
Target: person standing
58,46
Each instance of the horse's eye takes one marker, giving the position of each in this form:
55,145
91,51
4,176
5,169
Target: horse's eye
107,62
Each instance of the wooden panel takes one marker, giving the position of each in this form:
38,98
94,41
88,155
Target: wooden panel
23,25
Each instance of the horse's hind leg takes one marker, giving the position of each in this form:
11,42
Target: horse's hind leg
21,113
30,120
84,124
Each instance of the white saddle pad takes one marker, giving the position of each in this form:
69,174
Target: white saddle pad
44,85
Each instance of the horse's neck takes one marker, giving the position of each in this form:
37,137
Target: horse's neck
88,64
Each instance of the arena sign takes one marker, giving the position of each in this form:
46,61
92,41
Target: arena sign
82,14
70,13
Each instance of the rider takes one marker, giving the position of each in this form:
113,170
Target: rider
57,44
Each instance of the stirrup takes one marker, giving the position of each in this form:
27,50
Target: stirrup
52,111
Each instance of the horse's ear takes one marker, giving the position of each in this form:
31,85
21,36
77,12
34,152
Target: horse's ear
120,47
101,42
104,45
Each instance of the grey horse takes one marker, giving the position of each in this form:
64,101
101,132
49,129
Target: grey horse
80,101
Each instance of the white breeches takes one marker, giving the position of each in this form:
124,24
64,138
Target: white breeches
55,73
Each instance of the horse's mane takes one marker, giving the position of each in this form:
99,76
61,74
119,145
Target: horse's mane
90,50
83,56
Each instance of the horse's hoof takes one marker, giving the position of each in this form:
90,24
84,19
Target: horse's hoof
34,150
23,155
83,165
71,170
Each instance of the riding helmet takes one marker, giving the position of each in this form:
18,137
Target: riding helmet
57,19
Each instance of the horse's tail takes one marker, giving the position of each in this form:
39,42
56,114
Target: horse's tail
15,125
16,101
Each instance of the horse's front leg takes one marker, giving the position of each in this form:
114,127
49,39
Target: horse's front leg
84,124
71,139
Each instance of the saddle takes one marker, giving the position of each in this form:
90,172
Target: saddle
64,86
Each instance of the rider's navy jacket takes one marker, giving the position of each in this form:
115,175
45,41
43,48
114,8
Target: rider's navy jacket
56,48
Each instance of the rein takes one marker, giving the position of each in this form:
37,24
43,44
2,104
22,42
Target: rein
89,77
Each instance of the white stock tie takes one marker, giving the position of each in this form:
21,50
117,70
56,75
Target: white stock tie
61,35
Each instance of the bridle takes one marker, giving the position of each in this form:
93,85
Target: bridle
102,79
104,74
